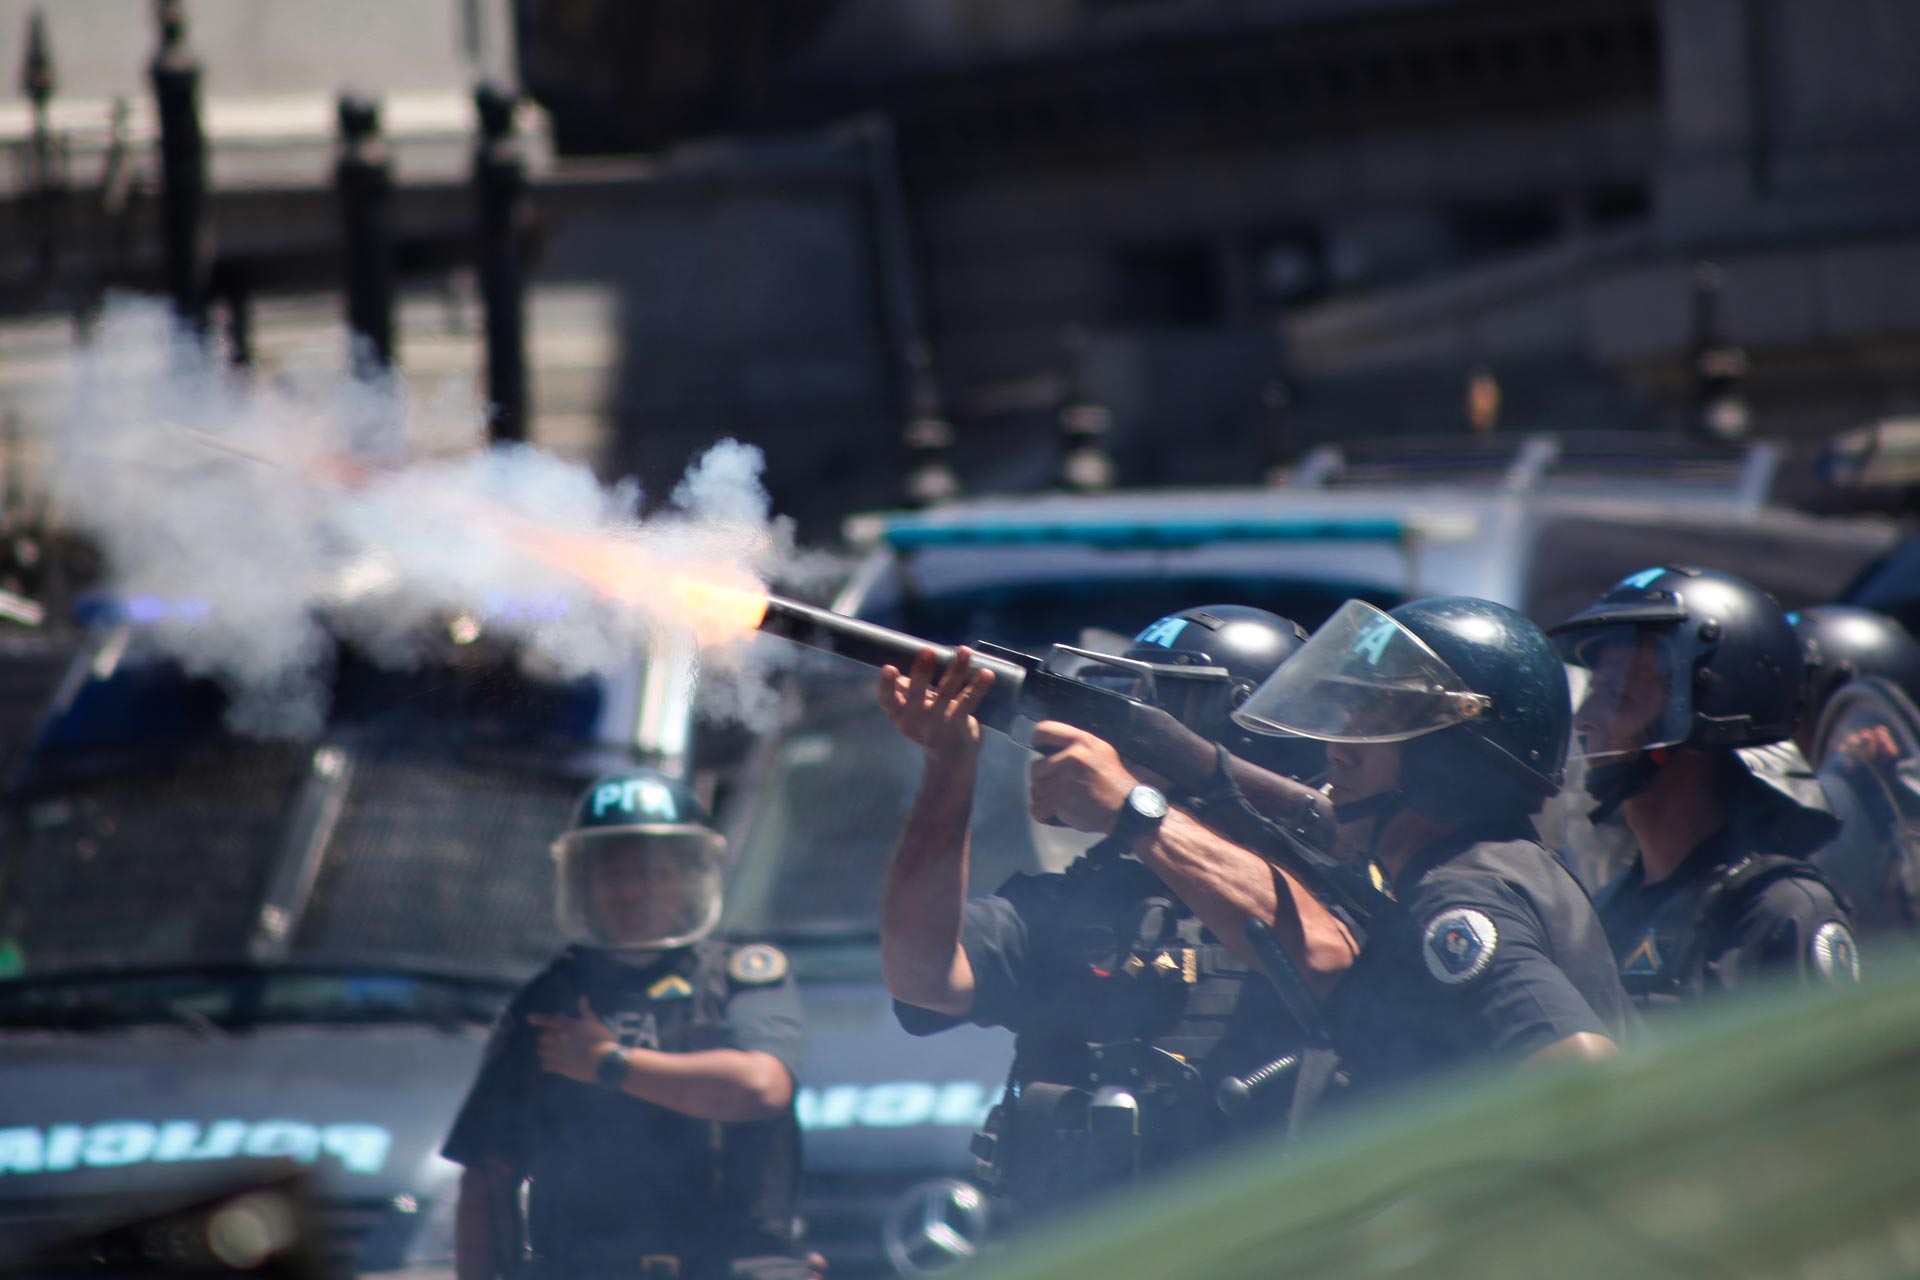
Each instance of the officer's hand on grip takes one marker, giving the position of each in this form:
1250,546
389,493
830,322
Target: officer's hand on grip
1079,782
571,1046
938,716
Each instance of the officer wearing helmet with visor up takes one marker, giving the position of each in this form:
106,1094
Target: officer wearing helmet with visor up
641,1087
1446,724
1128,1013
1695,683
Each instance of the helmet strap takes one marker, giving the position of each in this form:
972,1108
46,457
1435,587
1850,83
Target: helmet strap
1380,807
1615,784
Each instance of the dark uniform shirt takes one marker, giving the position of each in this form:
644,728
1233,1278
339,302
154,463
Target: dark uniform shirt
1490,949
1067,962
616,1177
1694,931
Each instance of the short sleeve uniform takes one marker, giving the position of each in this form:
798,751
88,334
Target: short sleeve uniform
1490,950
610,1170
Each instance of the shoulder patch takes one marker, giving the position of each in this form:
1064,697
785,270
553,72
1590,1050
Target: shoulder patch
1834,955
757,965
1458,945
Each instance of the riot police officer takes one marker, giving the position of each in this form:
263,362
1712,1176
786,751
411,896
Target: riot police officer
1861,731
641,1087
1840,644
1695,684
1446,727
1127,1013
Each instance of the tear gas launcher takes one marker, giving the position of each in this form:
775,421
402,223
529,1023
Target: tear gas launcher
1276,815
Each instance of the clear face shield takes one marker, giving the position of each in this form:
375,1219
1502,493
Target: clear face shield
636,889
1632,702
1362,677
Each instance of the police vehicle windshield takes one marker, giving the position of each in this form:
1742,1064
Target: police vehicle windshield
409,831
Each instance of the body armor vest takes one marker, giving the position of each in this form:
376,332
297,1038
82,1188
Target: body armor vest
1672,960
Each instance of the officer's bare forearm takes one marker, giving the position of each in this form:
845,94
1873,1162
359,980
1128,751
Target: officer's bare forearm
925,894
1227,885
1581,1046
728,1085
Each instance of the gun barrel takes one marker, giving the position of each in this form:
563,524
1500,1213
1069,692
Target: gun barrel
877,646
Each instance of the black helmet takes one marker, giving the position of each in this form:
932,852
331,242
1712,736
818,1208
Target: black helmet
639,865
1840,642
1715,653
1206,661
1198,664
1472,687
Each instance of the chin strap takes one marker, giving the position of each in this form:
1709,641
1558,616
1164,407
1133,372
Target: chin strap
1380,807
1615,784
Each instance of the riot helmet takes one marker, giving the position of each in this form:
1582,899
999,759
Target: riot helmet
1198,665
639,865
1840,643
1678,657
1471,687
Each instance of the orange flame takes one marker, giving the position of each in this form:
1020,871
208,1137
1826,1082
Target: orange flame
718,602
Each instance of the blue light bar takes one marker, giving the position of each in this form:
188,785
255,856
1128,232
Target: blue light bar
905,535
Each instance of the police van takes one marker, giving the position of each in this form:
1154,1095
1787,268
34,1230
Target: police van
220,957
1541,523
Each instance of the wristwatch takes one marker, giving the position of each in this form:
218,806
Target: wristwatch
611,1070
1141,813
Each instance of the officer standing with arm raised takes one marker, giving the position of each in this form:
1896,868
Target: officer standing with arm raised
1696,684
1127,1012
642,1085
1447,725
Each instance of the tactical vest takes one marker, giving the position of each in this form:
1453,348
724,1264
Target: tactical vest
1114,1063
694,1189
1672,958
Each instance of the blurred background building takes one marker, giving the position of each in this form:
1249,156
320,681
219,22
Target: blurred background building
1240,227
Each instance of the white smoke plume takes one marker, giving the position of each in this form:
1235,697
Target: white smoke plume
260,520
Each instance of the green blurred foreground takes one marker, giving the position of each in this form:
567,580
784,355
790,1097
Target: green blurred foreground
1775,1137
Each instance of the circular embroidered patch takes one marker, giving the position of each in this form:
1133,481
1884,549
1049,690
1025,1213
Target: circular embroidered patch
757,965
1835,958
1459,945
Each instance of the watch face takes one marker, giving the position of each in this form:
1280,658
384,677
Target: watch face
1147,802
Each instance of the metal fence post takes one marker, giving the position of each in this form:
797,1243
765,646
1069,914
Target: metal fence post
500,186
363,177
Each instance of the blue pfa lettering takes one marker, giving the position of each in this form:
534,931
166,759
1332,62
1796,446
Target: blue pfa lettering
895,1104
1643,579
1162,633
641,796
1373,641
112,1144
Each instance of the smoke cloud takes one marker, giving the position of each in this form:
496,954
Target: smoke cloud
260,520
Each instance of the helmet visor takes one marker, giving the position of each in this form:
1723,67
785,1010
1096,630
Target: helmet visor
629,888
1362,677
1632,702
